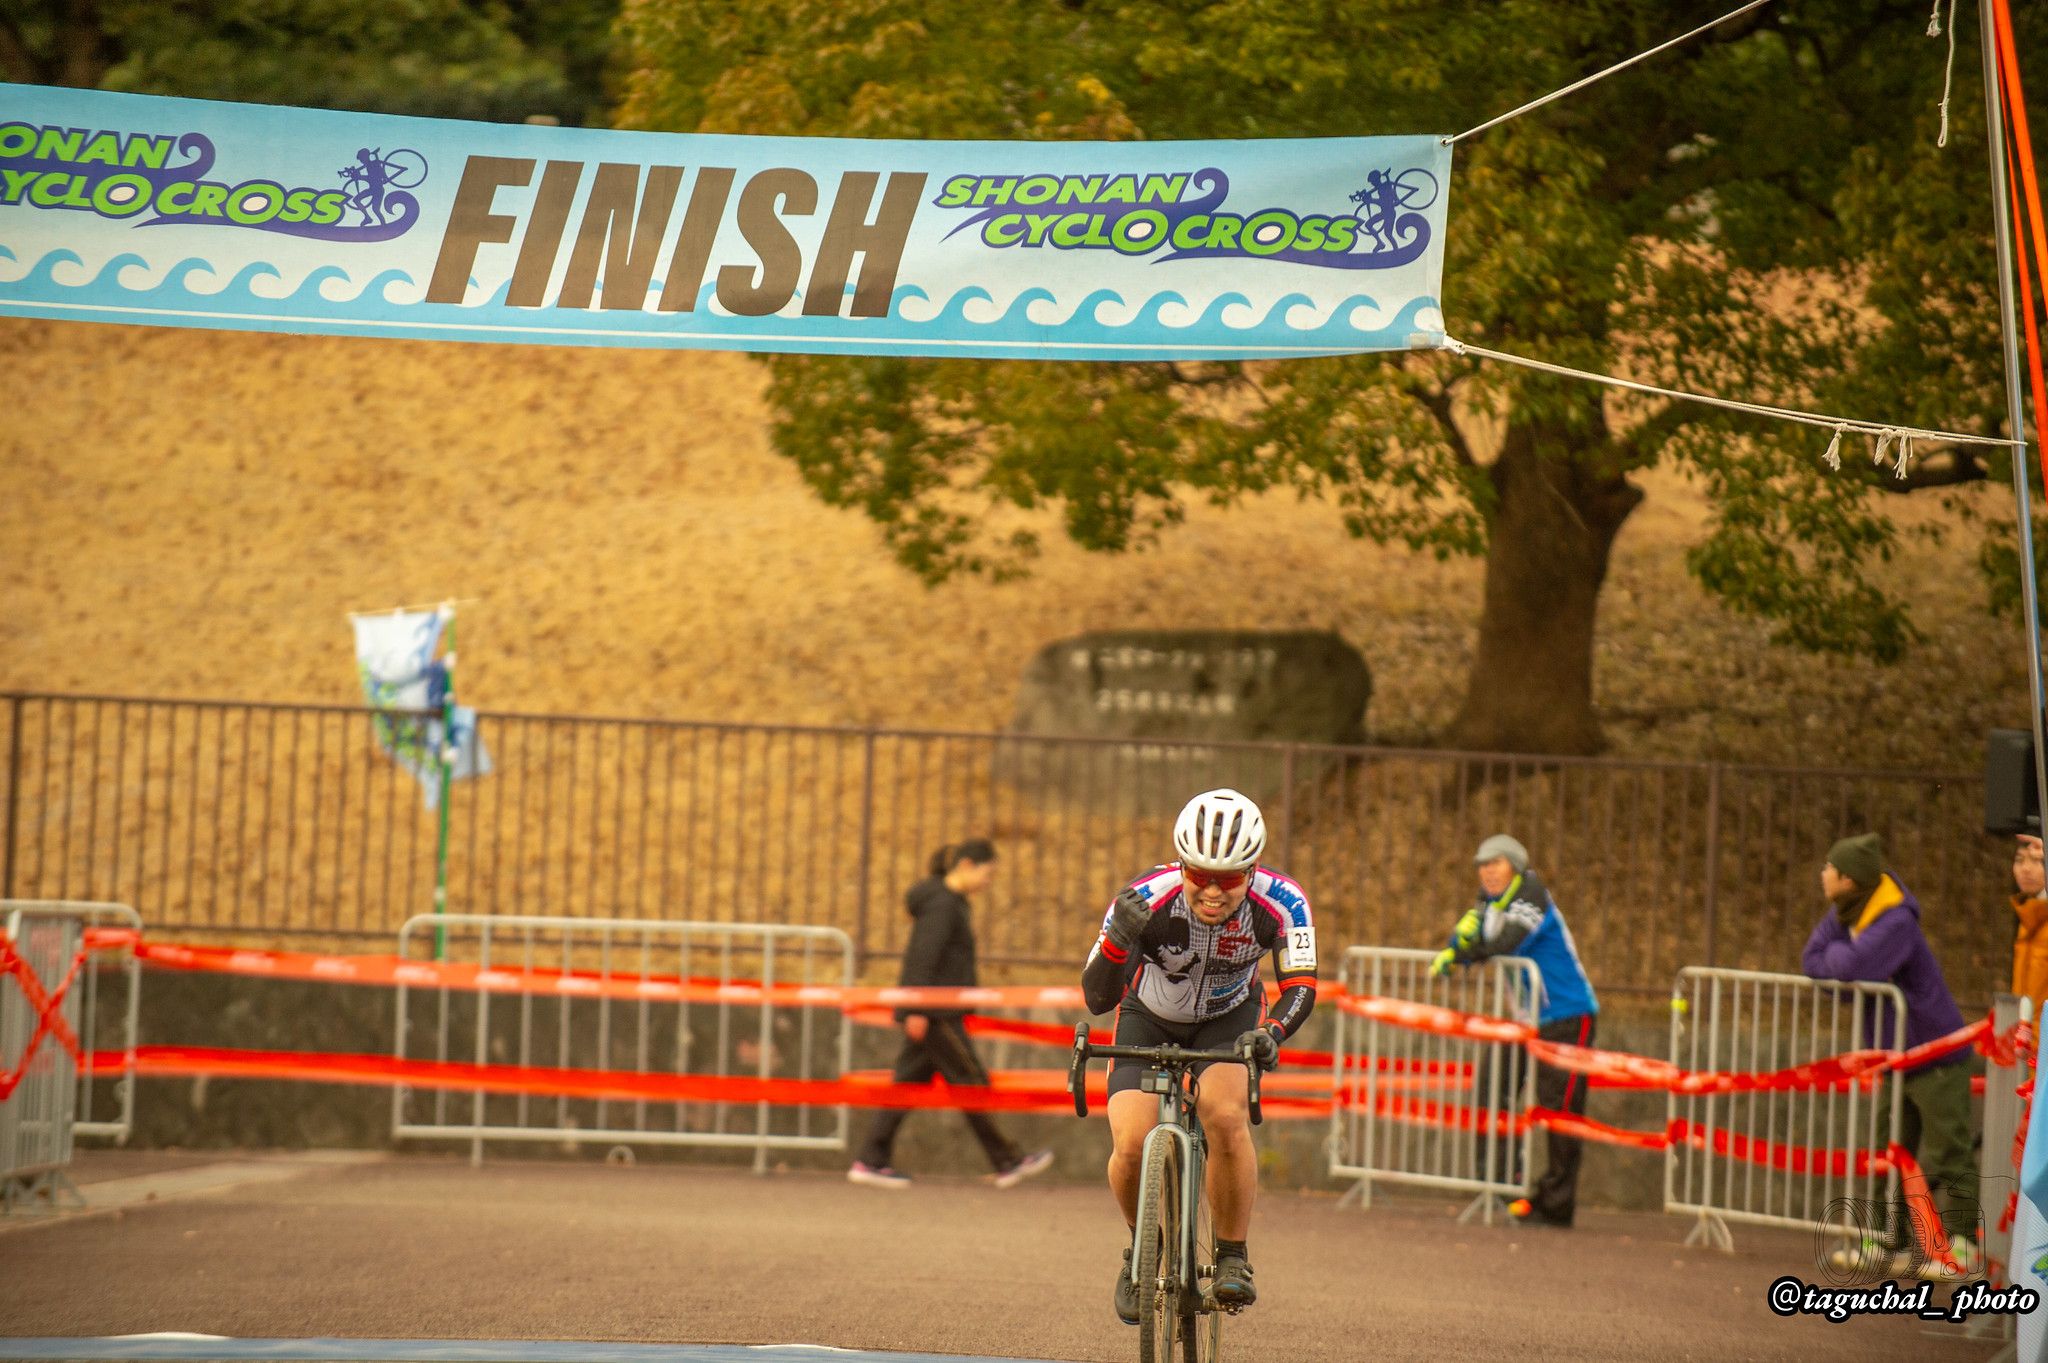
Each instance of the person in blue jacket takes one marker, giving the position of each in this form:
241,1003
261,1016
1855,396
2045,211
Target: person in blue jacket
1871,931
1516,916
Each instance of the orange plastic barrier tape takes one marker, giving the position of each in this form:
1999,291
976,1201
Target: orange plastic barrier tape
110,939
1619,1069
1455,1116
48,1006
1009,1091
1290,1096
1059,1035
1589,1129
1921,1212
872,1004
1429,1017
299,965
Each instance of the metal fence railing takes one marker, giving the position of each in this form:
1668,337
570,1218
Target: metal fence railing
1782,1157
594,998
1418,1108
254,822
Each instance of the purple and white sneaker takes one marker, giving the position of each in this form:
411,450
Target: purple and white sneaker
882,1177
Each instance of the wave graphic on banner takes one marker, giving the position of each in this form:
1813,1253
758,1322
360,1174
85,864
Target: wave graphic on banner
178,297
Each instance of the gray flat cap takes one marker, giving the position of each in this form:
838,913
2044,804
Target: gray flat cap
1501,845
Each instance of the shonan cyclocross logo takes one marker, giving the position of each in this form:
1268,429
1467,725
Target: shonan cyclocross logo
166,179
1182,215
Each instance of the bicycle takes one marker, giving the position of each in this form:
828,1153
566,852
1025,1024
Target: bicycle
1173,1251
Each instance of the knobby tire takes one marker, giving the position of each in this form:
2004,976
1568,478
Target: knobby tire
1159,1307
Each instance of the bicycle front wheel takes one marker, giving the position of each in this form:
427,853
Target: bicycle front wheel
1201,1321
1156,1264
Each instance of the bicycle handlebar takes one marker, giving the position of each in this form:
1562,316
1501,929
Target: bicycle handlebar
1168,1057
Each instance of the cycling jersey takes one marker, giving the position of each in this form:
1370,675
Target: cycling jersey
1183,970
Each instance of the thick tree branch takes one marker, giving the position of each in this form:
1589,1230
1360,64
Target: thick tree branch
1437,399
1647,437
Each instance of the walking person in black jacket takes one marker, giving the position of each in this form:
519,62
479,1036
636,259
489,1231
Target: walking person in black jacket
935,1041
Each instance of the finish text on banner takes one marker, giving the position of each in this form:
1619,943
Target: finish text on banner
177,212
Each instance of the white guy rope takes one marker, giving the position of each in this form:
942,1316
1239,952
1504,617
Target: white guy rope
1889,438
1949,72
1578,85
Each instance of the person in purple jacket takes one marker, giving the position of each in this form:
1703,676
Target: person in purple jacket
1872,931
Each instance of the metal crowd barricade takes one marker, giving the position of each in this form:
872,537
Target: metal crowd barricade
1414,1107
1998,1173
560,994
1997,1161
54,1010
1753,1022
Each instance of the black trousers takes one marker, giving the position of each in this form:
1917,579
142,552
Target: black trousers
1555,1196
945,1050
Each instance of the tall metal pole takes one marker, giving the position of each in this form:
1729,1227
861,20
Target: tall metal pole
10,851
1994,118
444,757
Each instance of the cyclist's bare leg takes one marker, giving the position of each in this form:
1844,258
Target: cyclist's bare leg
1233,1162
1132,1115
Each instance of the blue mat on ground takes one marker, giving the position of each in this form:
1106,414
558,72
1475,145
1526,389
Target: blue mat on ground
197,1348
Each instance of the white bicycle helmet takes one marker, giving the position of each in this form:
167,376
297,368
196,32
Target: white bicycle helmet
1220,830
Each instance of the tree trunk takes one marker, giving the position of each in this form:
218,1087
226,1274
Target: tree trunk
1552,527
78,53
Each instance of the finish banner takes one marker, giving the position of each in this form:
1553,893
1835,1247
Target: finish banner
179,212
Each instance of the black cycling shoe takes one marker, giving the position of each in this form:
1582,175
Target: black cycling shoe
1126,1294
1233,1283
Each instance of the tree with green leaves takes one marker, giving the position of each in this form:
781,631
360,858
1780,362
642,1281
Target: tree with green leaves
1762,213
484,59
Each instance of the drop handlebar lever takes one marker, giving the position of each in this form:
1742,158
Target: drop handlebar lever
1077,1070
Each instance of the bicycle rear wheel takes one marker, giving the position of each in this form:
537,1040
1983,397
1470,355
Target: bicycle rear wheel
1156,1264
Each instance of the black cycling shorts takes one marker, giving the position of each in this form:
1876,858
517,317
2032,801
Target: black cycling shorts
1136,1027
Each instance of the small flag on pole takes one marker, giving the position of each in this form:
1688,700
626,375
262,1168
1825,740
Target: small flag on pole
410,689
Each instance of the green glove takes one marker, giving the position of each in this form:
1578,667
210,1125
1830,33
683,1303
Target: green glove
1445,959
1468,929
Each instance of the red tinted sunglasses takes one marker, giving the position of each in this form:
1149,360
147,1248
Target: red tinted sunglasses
1222,880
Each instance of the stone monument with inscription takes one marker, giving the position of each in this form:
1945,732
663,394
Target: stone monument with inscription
1180,697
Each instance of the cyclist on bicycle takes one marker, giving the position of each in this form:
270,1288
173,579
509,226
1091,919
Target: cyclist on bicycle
1179,951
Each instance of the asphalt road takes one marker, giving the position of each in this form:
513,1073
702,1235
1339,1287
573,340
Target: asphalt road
428,1248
